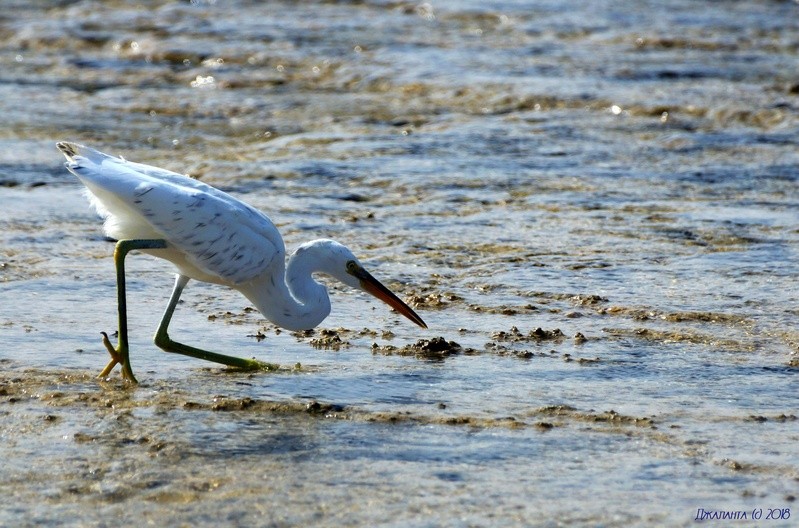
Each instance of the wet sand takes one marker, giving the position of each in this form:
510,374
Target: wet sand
594,208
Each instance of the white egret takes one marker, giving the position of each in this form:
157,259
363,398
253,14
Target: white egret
211,237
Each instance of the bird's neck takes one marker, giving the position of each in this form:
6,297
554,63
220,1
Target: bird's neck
292,299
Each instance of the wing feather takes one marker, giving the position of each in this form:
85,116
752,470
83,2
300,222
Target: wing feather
217,233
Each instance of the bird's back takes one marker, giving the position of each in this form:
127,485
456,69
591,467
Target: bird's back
212,231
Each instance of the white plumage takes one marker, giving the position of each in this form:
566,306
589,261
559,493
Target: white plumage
213,237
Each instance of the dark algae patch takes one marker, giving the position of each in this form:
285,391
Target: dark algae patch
537,335
684,336
328,339
437,348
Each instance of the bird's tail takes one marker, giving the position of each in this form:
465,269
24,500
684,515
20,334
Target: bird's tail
77,154
70,150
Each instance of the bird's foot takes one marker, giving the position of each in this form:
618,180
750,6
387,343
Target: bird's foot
119,355
263,366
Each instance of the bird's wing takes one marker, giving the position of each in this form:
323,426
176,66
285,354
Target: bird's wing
219,234
98,158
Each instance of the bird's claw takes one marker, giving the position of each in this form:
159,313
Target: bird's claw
111,350
116,358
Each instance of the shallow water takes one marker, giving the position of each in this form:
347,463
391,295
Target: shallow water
622,171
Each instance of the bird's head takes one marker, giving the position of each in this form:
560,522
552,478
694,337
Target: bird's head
339,262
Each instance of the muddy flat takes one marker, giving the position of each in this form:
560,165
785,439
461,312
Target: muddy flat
594,207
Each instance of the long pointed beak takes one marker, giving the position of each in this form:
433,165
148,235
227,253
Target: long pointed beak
373,286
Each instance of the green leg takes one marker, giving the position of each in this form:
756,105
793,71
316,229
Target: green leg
163,341
120,354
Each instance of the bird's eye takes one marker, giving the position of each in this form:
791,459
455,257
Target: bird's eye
352,267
